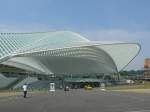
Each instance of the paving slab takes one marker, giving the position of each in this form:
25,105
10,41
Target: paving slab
78,100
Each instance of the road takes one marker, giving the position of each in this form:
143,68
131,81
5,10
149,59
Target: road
78,101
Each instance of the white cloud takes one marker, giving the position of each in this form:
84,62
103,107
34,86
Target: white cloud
116,34
24,28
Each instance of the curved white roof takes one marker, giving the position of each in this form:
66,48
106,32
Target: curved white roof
64,52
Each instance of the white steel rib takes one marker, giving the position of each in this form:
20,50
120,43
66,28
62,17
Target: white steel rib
64,52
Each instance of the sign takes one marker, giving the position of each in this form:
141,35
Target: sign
102,87
52,87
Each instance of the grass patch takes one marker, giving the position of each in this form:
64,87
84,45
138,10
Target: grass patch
141,88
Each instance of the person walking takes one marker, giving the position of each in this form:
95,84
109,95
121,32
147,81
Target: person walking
25,90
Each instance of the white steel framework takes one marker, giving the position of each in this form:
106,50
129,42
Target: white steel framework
64,52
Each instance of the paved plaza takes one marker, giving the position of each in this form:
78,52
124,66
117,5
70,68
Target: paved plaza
78,101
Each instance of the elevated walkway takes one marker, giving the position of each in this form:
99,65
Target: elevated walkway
26,80
6,82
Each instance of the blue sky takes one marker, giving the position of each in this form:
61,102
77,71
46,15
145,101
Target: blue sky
122,20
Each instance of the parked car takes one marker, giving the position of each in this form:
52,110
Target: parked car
88,87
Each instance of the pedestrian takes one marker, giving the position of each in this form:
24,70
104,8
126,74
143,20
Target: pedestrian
25,90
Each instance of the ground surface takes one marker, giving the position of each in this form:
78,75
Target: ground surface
78,101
